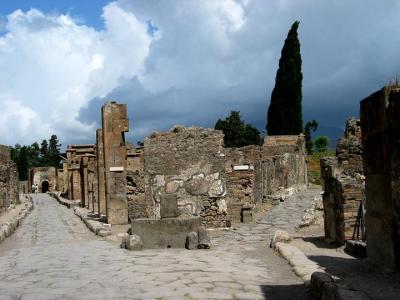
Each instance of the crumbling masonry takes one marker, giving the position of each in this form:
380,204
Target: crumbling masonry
343,185
9,194
219,185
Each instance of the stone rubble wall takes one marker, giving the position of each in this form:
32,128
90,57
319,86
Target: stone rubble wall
137,206
9,189
343,185
9,184
283,164
380,126
189,162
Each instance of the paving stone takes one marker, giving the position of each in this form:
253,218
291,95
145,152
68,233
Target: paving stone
53,251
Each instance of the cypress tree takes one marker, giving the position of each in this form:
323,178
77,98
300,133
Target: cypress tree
285,110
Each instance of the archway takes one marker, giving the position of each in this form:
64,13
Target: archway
45,186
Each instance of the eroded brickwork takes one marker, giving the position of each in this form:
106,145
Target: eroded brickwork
343,185
189,162
135,183
9,193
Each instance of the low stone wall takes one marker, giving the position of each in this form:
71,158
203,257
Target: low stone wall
8,228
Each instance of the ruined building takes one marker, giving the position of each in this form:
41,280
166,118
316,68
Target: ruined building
9,194
380,126
217,184
45,178
343,185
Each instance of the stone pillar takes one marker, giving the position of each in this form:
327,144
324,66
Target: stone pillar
85,182
380,128
101,199
115,124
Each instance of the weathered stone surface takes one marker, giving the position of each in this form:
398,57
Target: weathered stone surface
115,124
280,236
165,233
168,206
343,185
380,127
189,162
192,240
204,239
134,242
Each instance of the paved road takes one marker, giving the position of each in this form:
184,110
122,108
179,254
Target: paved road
54,256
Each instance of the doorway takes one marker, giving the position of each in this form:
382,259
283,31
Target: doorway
45,186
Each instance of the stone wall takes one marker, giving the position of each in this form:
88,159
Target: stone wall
380,124
283,164
189,162
5,155
343,185
9,193
43,178
243,185
137,207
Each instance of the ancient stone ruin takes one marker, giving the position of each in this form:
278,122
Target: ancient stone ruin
380,126
9,193
343,185
184,177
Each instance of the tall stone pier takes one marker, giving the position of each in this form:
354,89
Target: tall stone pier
380,128
100,173
115,124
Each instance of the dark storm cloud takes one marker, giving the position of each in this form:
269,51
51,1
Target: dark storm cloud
213,57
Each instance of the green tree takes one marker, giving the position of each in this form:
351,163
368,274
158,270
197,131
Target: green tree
34,155
236,132
44,153
285,110
54,152
310,127
22,163
321,144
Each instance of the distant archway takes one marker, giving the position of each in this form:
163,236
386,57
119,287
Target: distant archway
45,186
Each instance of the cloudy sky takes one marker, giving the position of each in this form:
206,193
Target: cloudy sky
183,62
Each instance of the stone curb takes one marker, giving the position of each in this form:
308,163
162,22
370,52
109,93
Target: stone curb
301,265
97,227
8,228
321,284
63,201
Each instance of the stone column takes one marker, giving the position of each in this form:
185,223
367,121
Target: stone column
380,129
115,124
85,182
101,199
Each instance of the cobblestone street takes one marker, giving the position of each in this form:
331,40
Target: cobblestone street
54,256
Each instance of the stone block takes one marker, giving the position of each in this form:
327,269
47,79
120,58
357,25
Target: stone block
247,216
134,242
204,239
192,240
169,206
165,233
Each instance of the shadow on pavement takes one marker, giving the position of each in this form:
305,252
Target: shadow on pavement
284,292
362,275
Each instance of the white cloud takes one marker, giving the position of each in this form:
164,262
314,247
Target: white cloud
201,59
52,66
